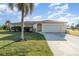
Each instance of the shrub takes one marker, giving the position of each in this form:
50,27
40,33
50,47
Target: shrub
72,27
4,27
1,28
66,31
18,28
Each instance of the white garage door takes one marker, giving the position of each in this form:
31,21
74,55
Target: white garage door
53,28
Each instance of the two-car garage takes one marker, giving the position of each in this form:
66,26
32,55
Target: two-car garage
53,27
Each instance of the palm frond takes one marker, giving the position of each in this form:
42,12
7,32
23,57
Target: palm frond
19,6
31,7
11,5
23,7
26,8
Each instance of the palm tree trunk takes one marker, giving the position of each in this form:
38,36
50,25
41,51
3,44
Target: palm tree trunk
22,26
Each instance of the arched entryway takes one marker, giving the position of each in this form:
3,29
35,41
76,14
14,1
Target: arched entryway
39,27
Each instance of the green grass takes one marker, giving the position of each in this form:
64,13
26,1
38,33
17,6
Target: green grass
74,32
35,45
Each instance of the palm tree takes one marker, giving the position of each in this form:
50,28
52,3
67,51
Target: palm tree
25,8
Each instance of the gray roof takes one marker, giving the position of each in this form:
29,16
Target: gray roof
26,22
33,22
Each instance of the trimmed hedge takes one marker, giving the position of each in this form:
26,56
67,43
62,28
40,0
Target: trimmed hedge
4,27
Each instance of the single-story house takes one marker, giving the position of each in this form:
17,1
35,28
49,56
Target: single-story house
44,26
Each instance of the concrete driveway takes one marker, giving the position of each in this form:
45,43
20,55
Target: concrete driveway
63,45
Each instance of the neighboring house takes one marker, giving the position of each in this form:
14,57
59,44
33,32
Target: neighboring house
44,26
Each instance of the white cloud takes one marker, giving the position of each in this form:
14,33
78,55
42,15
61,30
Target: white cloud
53,4
70,18
14,11
62,8
9,11
52,15
49,12
77,18
36,4
3,7
27,18
37,17
58,10
68,15
63,19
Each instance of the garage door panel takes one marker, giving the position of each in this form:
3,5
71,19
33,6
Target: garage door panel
52,28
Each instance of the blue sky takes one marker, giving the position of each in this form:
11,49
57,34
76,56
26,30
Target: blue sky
68,12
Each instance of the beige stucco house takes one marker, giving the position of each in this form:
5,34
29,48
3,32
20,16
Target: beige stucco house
44,26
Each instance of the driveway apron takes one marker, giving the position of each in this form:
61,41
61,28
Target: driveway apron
63,45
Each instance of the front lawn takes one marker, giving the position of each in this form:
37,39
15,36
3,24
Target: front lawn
74,32
36,45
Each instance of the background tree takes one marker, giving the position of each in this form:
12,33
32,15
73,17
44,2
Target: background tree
25,8
72,26
77,26
8,25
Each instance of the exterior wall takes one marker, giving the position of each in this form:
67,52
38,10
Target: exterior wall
56,27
